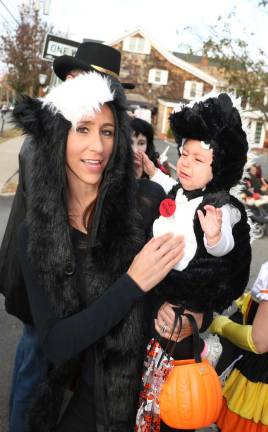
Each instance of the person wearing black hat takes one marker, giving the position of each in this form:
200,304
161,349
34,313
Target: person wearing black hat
91,56
82,256
29,361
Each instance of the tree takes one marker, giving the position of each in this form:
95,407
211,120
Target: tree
21,51
248,77
243,72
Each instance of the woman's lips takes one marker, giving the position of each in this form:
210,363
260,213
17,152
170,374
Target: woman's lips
92,165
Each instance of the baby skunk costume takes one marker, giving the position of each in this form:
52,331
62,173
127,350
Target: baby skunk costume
209,283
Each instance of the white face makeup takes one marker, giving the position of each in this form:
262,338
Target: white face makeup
139,142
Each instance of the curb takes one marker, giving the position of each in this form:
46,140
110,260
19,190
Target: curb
7,194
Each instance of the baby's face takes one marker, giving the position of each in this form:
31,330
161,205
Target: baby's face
194,165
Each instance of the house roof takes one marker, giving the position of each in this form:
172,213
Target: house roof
182,64
196,59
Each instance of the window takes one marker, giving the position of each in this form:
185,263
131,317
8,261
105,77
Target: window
193,89
265,99
124,73
258,132
158,76
137,45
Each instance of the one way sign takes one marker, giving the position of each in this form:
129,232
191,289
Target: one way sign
56,46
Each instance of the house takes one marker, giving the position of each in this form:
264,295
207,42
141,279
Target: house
257,124
162,79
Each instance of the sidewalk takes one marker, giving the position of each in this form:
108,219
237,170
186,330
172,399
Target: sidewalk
9,151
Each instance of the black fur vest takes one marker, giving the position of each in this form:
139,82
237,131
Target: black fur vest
211,283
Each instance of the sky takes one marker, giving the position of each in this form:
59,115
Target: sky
164,20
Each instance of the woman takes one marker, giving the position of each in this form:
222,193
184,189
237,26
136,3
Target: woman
143,142
77,247
245,407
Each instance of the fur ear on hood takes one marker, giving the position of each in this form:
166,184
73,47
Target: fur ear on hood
27,115
30,116
217,122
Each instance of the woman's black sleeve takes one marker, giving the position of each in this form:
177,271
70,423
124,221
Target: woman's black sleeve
62,339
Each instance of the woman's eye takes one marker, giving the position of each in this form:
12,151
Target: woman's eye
81,129
108,132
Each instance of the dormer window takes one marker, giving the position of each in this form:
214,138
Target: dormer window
158,76
137,45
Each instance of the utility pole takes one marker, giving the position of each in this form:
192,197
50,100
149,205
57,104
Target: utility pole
46,6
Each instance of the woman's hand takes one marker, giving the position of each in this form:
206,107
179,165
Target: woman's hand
148,166
165,322
211,224
155,260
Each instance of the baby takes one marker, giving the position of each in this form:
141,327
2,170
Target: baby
212,152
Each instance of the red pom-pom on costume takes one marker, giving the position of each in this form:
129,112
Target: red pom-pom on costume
167,207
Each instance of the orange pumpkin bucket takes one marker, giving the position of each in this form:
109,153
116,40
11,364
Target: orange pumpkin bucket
191,397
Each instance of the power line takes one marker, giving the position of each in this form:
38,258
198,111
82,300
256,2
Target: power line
7,22
10,13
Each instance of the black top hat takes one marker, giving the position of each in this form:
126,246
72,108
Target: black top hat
91,56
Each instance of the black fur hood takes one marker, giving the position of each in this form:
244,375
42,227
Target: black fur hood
114,216
217,122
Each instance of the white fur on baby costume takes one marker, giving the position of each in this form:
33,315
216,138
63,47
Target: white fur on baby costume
180,223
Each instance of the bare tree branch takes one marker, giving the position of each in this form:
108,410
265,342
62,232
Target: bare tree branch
21,50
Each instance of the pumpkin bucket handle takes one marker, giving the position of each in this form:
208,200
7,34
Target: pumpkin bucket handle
179,313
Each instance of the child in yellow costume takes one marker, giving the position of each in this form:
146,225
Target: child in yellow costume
245,407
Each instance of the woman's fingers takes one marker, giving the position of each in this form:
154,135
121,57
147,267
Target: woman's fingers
166,315
155,260
165,244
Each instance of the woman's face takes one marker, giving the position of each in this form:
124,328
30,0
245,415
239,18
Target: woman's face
139,142
89,148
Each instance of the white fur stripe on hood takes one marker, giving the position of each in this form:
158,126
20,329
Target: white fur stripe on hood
80,97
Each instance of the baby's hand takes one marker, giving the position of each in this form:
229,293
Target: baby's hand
148,166
211,224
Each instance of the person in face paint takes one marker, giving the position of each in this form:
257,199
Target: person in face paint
143,142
